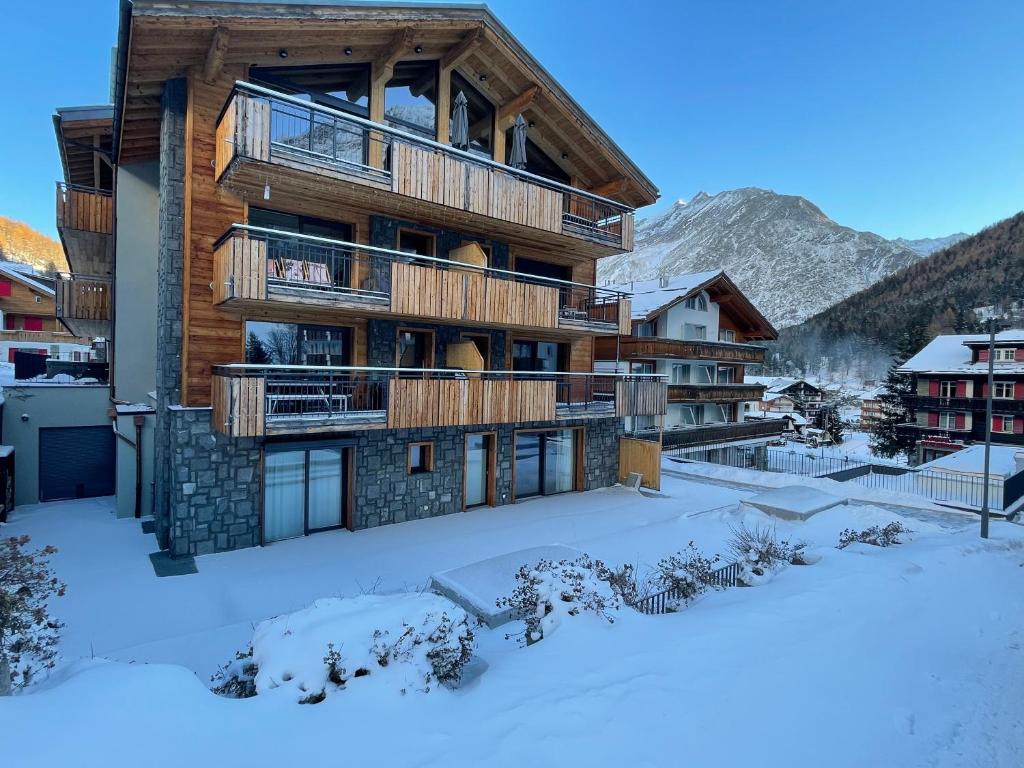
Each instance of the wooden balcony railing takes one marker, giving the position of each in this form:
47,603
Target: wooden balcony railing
253,400
651,348
84,209
999,404
82,297
268,127
714,393
721,433
253,265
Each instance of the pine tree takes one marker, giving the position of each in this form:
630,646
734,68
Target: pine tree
886,439
256,350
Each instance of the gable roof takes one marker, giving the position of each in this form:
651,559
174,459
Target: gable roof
650,299
159,40
7,271
951,354
777,384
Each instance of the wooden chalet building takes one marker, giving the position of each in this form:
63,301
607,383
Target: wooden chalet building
355,267
950,390
697,331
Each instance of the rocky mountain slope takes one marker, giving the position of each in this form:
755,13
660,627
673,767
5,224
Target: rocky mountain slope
791,259
20,243
926,246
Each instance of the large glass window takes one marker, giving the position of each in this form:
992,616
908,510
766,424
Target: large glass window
345,87
478,468
304,491
301,263
296,344
415,349
681,373
704,374
410,98
546,356
693,332
481,115
537,162
545,462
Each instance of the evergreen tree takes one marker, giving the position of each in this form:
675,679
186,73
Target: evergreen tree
256,350
885,439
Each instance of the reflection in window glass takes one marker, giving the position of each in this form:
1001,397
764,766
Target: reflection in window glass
481,115
296,344
410,98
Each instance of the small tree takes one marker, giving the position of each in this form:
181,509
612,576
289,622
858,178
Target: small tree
886,439
256,350
28,635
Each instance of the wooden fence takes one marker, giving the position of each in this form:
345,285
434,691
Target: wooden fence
642,457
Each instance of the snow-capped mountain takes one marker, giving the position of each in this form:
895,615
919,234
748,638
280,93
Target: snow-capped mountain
926,246
790,258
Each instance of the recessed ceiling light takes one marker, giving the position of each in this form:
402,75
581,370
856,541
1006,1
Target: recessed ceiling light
483,78
418,49
348,51
283,53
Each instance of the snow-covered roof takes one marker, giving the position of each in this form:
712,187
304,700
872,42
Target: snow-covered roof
649,295
21,277
948,354
773,384
971,460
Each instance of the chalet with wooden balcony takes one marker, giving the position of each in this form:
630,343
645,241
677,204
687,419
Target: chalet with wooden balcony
698,331
950,381
373,257
85,218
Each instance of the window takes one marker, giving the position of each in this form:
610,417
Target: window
345,87
421,458
33,323
641,368
691,415
297,261
693,332
1004,355
699,303
297,344
545,462
547,356
481,116
1002,423
947,420
714,414
705,374
304,490
410,98
419,243
681,373
726,334
1002,390
726,375
537,162
947,389
646,329
5,287
415,349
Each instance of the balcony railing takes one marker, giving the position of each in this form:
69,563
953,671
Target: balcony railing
85,209
999,404
255,400
651,348
721,433
714,393
257,264
83,297
266,126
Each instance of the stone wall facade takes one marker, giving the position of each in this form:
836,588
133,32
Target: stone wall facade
384,234
382,342
170,269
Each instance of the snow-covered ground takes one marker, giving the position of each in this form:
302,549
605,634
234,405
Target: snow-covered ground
905,656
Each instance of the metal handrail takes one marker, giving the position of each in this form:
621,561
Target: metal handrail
236,369
63,185
393,254
242,86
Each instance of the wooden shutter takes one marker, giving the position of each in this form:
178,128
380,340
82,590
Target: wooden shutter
961,421
933,419
933,387
961,389
982,355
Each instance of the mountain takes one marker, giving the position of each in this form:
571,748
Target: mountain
926,246
940,293
20,243
790,259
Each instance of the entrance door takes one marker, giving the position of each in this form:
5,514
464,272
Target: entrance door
545,462
305,491
479,470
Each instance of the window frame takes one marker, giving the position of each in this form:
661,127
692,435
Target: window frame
949,417
426,453
1006,387
724,332
431,359
947,388
432,237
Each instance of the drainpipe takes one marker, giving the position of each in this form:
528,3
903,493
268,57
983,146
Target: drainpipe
138,420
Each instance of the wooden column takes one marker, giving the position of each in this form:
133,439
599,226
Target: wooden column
444,104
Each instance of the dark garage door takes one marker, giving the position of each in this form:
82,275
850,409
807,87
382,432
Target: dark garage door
75,462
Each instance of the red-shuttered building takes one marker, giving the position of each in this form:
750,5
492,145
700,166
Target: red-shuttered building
951,388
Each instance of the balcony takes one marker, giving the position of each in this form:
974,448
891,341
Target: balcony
973,404
83,304
722,433
85,221
320,157
263,269
714,393
255,401
651,348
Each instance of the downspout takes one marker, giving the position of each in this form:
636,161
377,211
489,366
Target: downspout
138,420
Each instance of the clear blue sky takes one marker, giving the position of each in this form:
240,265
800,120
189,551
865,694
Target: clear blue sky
904,118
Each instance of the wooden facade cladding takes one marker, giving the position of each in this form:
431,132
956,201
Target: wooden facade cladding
256,146
642,457
714,393
650,348
238,405
85,210
83,298
644,397
416,403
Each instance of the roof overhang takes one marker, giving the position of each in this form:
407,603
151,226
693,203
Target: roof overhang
158,41
81,132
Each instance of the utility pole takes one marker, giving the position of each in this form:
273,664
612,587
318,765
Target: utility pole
988,424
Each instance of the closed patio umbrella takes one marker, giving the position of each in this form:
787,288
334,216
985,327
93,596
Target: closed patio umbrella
518,157
459,129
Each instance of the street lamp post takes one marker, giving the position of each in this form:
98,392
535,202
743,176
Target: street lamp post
988,424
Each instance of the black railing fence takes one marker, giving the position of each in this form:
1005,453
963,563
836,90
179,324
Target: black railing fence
954,489
664,601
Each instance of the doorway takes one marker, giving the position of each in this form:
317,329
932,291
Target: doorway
305,490
545,462
481,465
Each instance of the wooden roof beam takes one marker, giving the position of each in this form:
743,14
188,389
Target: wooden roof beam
395,49
611,188
215,54
463,48
507,112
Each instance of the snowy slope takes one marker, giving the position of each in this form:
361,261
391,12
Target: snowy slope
790,258
926,246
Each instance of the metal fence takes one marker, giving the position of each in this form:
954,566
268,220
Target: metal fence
960,490
661,602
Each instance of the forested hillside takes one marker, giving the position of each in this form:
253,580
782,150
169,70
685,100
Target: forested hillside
935,295
19,242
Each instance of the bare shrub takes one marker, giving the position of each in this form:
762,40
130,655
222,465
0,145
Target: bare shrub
687,572
237,678
875,535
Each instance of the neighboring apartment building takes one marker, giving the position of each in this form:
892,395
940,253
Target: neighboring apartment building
28,321
798,394
696,330
951,387
352,286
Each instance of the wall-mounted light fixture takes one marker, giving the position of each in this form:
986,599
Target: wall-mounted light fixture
283,53
418,49
348,51
565,155
483,78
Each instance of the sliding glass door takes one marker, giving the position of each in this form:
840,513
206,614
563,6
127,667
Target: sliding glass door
479,462
304,491
545,462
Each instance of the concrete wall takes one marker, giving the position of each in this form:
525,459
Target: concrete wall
671,323
134,356
126,465
46,405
